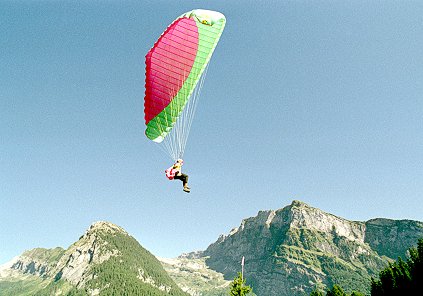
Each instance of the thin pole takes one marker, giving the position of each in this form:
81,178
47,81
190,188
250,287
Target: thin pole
242,270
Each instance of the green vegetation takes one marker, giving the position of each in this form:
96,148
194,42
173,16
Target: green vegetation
316,293
45,255
401,278
135,271
238,287
335,291
340,263
27,287
62,287
33,285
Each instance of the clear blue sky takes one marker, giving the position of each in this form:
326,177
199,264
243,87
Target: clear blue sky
320,101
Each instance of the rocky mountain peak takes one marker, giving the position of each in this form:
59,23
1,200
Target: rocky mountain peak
298,215
298,203
302,215
89,250
104,227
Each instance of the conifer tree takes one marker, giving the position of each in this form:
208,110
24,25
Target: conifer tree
316,293
336,291
238,287
401,278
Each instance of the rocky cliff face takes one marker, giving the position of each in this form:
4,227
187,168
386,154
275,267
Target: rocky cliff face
194,277
39,262
295,249
392,238
91,249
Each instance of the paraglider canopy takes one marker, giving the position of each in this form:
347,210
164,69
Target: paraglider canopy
175,69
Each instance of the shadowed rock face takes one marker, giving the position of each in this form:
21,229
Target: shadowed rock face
292,250
392,238
39,262
90,249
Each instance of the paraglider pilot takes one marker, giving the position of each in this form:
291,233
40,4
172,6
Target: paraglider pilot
175,172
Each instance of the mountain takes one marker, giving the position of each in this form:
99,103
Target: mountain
289,251
295,249
106,260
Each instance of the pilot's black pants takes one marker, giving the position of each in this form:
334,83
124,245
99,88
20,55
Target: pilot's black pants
183,178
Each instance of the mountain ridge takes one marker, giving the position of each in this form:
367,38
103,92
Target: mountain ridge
288,251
